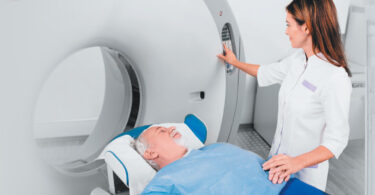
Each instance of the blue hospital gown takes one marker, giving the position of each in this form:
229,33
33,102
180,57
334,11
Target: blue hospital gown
214,169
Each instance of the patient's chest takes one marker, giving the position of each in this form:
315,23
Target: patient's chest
217,168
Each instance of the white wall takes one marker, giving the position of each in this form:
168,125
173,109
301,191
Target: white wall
370,145
342,7
355,41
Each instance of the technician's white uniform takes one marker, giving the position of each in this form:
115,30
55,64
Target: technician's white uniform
314,101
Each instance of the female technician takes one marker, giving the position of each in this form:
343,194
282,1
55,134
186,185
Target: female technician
314,97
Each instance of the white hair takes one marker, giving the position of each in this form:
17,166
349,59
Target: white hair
141,146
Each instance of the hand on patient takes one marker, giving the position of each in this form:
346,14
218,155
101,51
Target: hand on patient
275,176
281,167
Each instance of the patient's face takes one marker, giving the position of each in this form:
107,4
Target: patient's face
162,140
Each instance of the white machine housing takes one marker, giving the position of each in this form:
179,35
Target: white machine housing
161,52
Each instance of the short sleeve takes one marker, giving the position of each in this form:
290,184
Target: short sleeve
336,102
270,74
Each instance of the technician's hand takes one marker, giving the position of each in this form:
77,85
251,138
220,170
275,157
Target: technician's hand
275,176
281,167
229,56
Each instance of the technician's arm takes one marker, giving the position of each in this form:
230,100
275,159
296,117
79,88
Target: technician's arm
314,157
230,58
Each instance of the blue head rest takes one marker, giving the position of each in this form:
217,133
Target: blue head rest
194,123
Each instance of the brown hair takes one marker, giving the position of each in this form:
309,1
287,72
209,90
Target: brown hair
320,17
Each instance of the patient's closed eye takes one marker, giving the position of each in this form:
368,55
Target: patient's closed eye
161,130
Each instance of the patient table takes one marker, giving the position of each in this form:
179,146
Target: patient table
120,168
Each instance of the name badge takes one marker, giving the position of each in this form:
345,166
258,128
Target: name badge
309,86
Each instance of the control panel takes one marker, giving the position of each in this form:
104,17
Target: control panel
226,37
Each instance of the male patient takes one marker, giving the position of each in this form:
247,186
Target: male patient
214,169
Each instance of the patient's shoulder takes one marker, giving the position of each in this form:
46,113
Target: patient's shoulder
224,149
217,146
230,150
221,146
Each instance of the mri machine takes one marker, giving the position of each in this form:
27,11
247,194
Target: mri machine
160,64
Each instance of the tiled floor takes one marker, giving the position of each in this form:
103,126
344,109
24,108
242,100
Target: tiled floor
249,139
347,174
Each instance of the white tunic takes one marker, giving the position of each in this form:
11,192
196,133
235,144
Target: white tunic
314,100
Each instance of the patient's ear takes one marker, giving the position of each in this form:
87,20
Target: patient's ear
150,155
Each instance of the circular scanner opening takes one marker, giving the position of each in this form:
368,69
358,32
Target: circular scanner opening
90,97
